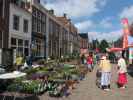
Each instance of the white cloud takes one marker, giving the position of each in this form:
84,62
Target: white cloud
84,26
76,8
127,13
103,3
106,23
110,36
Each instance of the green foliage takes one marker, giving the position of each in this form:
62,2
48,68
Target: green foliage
111,55
28,86
69,57
103,45
95,44
31,70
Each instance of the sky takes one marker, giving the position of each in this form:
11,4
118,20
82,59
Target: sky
101,19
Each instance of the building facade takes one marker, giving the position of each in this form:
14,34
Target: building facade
31,29
72,35
57,36
38,39
5,53
83,41
4,23
73,41
20,29
54,34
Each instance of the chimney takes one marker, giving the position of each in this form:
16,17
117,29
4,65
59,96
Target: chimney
65,15
51,11
38,1
35,1
69,20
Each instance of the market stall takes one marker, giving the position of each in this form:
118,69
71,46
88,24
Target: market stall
56,78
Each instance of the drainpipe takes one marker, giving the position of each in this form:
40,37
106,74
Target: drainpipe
47,37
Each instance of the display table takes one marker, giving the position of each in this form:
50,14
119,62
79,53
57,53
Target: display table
13,96
9,76
15,74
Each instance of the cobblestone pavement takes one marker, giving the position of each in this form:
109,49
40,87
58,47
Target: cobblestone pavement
87,90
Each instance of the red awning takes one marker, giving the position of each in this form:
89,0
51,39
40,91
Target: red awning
114,49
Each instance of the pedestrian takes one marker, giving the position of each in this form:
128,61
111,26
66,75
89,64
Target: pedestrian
19,62
90,62
105,68
122,72
29,60
83,59
94,60
97,58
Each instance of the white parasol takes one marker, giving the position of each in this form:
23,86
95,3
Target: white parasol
12,75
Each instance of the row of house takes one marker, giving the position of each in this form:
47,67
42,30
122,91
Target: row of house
30,29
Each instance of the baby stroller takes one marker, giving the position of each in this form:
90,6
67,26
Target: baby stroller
98,78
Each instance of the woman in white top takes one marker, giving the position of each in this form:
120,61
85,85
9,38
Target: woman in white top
122,70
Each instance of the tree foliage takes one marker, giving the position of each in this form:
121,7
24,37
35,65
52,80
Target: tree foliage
95,44
103,45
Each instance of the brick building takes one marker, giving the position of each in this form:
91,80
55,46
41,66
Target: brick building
84,41
4,20
72,36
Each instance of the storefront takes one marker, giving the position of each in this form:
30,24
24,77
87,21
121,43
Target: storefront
22,46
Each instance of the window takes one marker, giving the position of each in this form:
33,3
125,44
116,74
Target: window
1,8
43,28
25,26
20,42
16,22
17,2
39,15
22,4
34,24
39,26
26,43
13,41
50,26
26,51
20,50
43,18
34,12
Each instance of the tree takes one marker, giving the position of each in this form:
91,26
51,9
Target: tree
95,44
103,45
118,42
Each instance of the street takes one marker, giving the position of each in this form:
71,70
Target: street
44,45
87,90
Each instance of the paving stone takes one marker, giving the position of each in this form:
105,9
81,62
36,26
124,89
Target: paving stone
87,89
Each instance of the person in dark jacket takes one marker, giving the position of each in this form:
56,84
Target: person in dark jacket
83,59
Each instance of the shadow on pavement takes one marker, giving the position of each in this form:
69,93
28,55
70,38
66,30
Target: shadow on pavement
19,98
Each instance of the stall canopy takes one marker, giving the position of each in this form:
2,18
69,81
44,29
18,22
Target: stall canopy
113,49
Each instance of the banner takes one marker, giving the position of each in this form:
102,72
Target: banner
125,26
130,53
125,41
130,41
126,32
